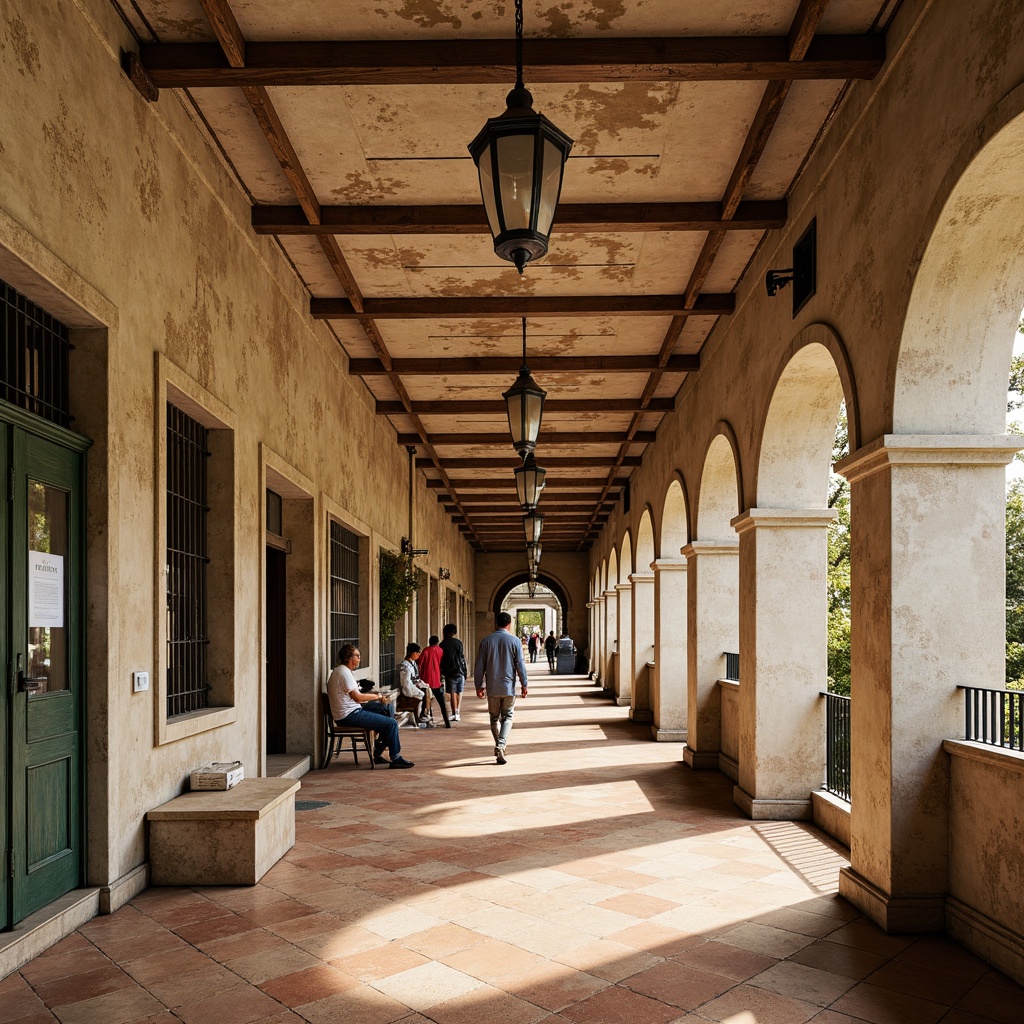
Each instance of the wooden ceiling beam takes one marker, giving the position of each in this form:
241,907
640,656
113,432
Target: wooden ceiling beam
471,220
501,486
548,438
477,366
546,462
490,61
496,407
522,305
471,508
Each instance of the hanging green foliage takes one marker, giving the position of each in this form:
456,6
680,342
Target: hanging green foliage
397,580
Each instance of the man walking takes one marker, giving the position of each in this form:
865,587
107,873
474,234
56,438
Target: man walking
499,661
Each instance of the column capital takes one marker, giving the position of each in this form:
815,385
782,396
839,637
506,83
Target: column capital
929,450
710,547
759,518
621,587
609,593
641,577
668,565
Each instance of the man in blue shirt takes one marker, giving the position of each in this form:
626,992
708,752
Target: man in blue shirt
498,662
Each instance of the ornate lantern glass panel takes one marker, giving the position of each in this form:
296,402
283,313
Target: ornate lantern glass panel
533,555
520,157
529,482
524,402
533,525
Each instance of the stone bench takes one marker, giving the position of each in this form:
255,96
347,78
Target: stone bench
230,837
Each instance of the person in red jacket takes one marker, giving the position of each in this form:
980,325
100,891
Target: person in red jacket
430,672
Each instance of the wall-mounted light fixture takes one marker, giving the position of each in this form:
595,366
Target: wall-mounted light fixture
520,157
444,574
408,549
803,275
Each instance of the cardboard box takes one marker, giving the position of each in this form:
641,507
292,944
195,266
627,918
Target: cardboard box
219,775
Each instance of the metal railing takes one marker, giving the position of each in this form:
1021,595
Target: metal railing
994,717
732,666
837,745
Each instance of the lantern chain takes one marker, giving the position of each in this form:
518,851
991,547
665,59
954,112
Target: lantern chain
524,341
519,44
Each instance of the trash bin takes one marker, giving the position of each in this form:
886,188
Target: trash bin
565,657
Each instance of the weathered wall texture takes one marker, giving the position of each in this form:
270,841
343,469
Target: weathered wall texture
124,207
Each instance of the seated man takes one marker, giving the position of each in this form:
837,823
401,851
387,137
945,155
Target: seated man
346,697
413,687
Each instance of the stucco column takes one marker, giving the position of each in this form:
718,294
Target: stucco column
623,682
668,680
611,636
928,614
643,645
713,629
783,659
591,615
597,655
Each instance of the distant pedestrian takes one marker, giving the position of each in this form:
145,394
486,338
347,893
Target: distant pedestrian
532,645
550,643
499,661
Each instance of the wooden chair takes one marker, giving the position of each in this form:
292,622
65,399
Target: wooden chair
335,736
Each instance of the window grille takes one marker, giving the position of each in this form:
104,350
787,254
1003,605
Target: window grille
187,635
34,358
388,669
344,570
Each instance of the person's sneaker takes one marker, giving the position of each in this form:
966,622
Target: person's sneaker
457,717
380,759
499,755
400,762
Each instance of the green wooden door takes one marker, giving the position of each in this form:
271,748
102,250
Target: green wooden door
41,609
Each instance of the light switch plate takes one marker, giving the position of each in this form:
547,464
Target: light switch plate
140,681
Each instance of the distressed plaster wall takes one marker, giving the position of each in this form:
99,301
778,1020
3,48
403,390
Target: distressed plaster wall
104,195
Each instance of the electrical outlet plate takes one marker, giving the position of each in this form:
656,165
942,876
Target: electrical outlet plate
140,681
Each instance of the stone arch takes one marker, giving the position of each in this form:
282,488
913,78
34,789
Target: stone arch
718,500
675,526
518,578
645,553
794,454
966,297
613,570
625,558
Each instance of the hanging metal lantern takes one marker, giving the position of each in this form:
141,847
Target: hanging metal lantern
533,525
531,586
524,402
529,482
520,157
533,555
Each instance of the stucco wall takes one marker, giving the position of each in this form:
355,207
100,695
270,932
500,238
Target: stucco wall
125,207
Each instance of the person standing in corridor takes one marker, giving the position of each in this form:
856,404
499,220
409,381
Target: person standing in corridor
499,661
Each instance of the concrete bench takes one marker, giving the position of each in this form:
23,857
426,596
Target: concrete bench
231,837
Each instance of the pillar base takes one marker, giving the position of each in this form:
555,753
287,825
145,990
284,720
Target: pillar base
898,915
620,702
641,715
662,735
700,760
760,809
989,939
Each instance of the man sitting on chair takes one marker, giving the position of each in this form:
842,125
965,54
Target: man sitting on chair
346,699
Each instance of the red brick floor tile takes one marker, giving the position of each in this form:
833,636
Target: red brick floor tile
488,1005
17,999
552,987
745,1002
492,960
680,985
1003,1003
380,962
127,1004
275,913
204,932
725,959
79,961
839,959
883,1006
238,1006
637,905
76,987
442,940
149,970
620,1006
362,1005
309,985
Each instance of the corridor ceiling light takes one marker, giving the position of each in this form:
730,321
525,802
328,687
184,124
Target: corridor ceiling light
524,402
529,482
531,586
533,556
533,525
520,156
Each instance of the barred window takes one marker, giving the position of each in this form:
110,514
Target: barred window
344,571
34,358
187,560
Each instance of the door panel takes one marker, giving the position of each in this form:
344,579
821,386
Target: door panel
45,573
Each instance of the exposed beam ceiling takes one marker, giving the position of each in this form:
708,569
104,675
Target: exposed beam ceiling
546,438
546,462
522,305
489,61
476,366
470,220
496,406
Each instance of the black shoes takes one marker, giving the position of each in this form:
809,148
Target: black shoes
400,762
380,759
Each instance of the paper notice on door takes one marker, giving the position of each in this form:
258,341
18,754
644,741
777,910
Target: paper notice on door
45,589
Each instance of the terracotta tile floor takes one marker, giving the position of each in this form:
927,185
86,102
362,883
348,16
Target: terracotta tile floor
592,879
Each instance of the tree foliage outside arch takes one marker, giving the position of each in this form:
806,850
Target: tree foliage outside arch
838,579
